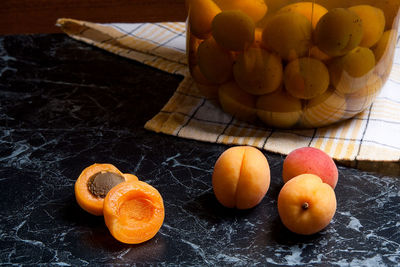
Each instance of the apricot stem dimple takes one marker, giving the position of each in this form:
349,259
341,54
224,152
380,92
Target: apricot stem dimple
101,183
305,206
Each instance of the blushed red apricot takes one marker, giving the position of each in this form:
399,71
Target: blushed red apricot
241,177
310,160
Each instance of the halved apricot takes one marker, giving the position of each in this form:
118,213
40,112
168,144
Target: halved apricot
93,184
133,212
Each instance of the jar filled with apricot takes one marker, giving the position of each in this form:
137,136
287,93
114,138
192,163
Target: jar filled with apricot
291,64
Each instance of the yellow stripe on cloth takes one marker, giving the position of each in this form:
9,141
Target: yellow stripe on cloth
371,136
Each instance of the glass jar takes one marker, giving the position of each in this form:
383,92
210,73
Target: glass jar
291,64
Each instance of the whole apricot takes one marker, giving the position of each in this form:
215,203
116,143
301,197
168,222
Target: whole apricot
214,62
306,78
241,177
312,11
350,72
201,14
310,160
279,109
306,205
256,9
373,23
324,109
258,71
237,102
384,44
338,31
233,30
288,34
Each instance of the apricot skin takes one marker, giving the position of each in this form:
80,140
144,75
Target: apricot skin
306,205
338,32
241,177
310,160
373,23
288,34
201,14
237,102
233,30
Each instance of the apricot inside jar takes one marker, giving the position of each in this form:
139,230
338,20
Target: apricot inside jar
95,182
243,31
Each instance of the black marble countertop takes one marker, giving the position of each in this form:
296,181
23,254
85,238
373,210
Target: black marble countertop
65,105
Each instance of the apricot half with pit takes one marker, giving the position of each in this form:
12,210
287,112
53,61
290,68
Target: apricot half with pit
306,205
241,177
95,182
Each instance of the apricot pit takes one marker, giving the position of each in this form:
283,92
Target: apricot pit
95,182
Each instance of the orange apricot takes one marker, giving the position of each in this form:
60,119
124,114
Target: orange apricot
95,182
256,9
306,205
338,31
131,177
233,30
324,109
288,34
237,102
306,78
241,177
373,23
312,11
201,14
279,109
133,212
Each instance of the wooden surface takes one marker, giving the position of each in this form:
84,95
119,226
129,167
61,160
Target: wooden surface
39,16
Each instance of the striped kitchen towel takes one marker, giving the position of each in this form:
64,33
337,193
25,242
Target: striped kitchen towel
369,139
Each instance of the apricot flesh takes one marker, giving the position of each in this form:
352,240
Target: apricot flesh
312,161
306,205
241,177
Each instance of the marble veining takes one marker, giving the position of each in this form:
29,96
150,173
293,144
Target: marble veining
65,105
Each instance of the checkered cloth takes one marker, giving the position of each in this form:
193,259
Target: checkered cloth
369,138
